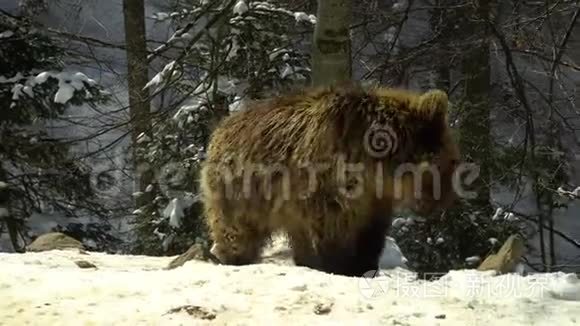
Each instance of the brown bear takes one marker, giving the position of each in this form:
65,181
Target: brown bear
327,166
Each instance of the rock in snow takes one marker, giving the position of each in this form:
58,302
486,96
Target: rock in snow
48,288
507,258
54,240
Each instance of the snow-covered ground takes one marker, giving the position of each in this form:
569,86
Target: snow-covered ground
50,289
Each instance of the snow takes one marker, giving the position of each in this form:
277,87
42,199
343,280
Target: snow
392,256
67,82
6,34
174,211
65,92
287,71
500,214
472,260
16,91
162,76
389,35
276,53
520,269
511,217
48,288
17,77
240,8
497,215
400,5
42,77
90,243
574,194
304,17
160,16
143,138
28,91
398,222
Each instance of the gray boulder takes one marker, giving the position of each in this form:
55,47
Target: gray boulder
54,241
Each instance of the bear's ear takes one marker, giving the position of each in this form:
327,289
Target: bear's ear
432,114
433,105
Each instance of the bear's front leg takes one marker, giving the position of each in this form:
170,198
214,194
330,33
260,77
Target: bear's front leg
301,246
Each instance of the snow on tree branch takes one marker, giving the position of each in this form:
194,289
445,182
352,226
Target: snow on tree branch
574,194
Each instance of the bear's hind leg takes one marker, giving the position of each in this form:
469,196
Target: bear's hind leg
371,242
338,258
359,256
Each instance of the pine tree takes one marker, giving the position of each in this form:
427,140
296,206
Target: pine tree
38,171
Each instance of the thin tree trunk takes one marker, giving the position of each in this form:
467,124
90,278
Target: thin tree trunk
541,227
554,137
331,50
137,68
441,68
477,88
552,241
13,225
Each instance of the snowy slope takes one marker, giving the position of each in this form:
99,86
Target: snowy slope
50,289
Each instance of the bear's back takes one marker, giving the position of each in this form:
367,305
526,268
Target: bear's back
287,128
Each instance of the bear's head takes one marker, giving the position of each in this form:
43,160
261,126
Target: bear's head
424,181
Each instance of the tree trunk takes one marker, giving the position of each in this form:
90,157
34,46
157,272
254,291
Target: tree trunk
331,48
137,69
13,226
441,68
477,92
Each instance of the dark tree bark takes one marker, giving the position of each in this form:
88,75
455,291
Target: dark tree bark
331,49
13,226
139,102
477,94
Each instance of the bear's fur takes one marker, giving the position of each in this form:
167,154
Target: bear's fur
290,164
